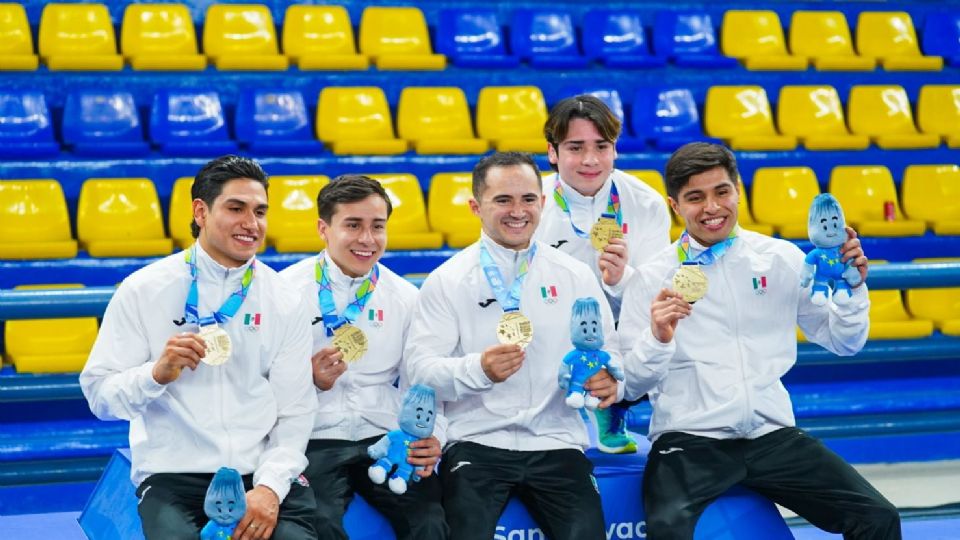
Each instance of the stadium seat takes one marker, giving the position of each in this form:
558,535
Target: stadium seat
814,114
448,209
436,120
396,38
688,39
34,223
741,116
181,212
617,39
667,117
275,122
242,37
938,112
745,217
25,127
889,318
473,37
49,345
78,37
512,118
16,47
546,38
889,36
939,304
357,120
931,193
189,123
864,191
654,179
824,37
103,124
120,217
611,98
321,37
293,213
407,227
160,37
782,196
883,114
941,36
756,39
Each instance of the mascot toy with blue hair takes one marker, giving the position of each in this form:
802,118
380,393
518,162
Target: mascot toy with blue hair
417,418
225,504
587,358
831,278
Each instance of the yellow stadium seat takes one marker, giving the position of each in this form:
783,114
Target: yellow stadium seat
242,37
448,208
407,227
932,193
33,221
889,318
814,114
756,39
741,116
745,217
160,37
782,196
78,37
181,212
437,121
938,112
889,36
292,218
512,118
356,120
397,38
120,217
321,37
883,114
824,36
50,345
940,304
16,41
864,191
654,179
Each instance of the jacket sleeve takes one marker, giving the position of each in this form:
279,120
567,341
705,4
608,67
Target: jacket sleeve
440,426
841,330
655,237
645,359
611,341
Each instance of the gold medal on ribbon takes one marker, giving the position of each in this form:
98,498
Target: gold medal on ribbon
602,231
351,341
690,282
515,328
218,345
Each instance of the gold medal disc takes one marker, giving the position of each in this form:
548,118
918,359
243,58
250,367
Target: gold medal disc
351,341
690,282
218,345
602,231
515,328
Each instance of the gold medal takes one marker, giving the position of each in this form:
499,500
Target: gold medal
690,282
602,231
218,345
351,341
515,328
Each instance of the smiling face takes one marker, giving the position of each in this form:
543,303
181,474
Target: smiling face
510,205
826,225
232,228
708,205
417,412
586,326
356,235
583,158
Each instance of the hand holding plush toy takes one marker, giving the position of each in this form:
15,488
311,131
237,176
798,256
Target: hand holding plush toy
587,358
826,227
417,417
225,504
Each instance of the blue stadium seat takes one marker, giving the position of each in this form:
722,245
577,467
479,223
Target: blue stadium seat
25,127
189,123
941,36
688,39
103,124
546,39
473,38
667,118
617,39
275,122
611,98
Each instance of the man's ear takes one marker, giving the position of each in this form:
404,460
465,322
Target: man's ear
200,212
474,207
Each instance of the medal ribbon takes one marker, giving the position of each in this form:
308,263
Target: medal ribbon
229,307
332,321
509,301
708,256
612,211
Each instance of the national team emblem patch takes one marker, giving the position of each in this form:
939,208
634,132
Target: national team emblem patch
549,294
375,316
760,285
252,321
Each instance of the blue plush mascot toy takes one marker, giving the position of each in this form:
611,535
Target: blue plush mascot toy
826,227
417,417
587,358
225,504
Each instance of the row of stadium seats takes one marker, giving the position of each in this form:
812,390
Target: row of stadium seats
438,120
244,37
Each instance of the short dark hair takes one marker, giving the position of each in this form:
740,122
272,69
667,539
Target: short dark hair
694,158
209,182
583,106
499,159
348,188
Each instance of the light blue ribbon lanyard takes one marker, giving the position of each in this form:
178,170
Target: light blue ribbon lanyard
509,301
332,321
229,307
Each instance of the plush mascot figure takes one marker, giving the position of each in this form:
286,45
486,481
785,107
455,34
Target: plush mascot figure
225,504
587,358
417,418
826,227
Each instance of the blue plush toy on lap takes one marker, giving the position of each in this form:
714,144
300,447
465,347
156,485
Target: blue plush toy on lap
587,358
417,418
225,504
831,278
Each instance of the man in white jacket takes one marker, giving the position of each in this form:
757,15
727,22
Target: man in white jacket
509,430
358,402
207,354
712,368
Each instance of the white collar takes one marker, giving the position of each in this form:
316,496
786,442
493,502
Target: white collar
576,198
338,278
207,266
